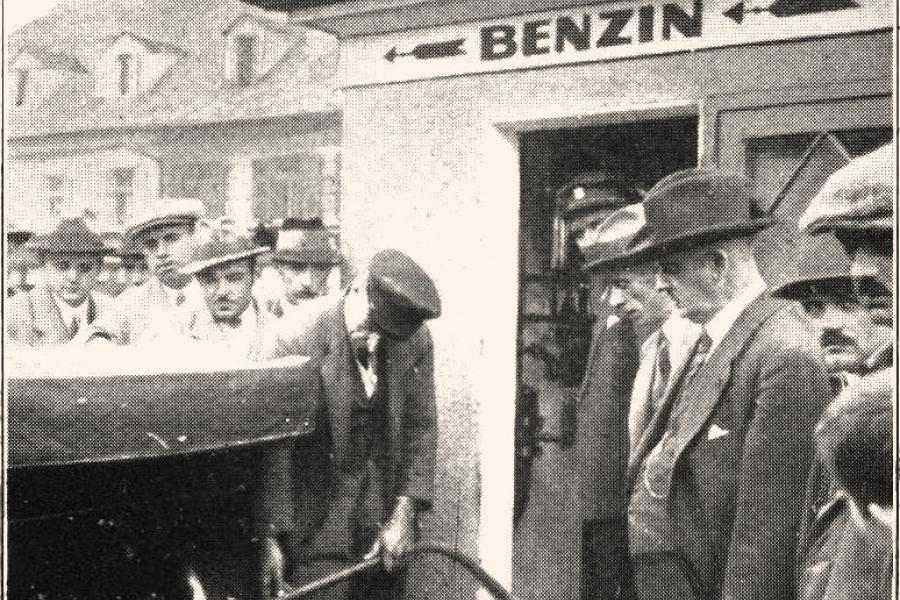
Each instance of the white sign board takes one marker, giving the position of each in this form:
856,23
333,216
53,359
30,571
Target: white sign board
601,32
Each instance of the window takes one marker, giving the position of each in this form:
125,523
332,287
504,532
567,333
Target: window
121,190
126,68
21,86
245,47
206,181
56,194
288,186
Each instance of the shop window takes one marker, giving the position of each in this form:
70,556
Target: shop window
21,86
55,189
245,56
121,191
126,73
207,181
288,186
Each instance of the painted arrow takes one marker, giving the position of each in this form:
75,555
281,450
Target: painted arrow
433,50
789,8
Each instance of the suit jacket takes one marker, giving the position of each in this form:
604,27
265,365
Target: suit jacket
203,329
33,318
741,452
293,496
145,313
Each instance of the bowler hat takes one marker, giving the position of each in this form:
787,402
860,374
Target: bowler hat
222,249
859,196
70,236
166,211
605,245
401,294
823,264
696,207
307,243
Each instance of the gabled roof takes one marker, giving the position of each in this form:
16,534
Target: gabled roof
194,91
57,61
154,46
277,26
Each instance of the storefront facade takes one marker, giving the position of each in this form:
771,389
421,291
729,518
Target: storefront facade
460,120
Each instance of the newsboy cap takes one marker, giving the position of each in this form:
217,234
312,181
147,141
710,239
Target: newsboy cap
220,250
823,265
401,294
166,211
306,243
605,244
70,236
694,207
859,196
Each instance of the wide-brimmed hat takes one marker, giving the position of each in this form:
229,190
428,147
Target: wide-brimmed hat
166,211
220,250
401,294
823,265
605,244
857,197
307,243
70,236
695,207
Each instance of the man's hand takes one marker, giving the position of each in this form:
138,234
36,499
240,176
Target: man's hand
271,568
397,537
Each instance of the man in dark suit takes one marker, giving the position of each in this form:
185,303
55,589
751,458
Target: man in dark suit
717,479
68,306
355,489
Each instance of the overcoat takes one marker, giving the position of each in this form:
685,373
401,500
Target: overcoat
33,317
740,454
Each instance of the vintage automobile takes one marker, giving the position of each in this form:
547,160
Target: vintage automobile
126,484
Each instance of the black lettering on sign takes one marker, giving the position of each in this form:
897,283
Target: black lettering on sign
498,41
568,31
618,19
645,24
675,16
533,32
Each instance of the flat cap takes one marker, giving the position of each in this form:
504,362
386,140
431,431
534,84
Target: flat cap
70,236
605,244
823,265
221,249
859,196
166,211
401,294
694,207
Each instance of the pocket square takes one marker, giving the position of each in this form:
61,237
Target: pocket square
715,432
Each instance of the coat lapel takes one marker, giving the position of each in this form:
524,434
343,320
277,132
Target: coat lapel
48,324
337,378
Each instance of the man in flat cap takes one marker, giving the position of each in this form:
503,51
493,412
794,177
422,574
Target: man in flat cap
717,479
68,306
846,550
232,324
305,255
162,308
374,448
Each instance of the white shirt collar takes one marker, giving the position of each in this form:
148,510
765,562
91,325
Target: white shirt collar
356,306
69,313
677,329
191,293
719,326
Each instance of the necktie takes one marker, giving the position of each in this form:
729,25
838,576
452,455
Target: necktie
662,370
698,358
180,298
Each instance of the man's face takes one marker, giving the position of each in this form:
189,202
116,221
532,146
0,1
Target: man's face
228,288
633,296
303,281
691,278
72,276
167,248
846,331
873,271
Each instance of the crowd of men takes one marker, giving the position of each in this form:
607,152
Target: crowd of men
758,413
759,410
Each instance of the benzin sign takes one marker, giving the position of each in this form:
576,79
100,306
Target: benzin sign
600,32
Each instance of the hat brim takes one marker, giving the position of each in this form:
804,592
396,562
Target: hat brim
139,228
45,250
882,223
655,246
195,267
798,289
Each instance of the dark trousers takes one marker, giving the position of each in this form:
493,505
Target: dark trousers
664,576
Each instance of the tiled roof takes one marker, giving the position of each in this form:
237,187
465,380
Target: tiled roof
194,91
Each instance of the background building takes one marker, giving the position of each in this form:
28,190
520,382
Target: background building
113,104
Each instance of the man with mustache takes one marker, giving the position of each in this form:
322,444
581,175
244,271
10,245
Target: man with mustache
161,309
846,546
716,481
68,307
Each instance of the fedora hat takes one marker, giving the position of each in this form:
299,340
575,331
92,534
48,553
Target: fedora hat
70,236
605,244
306,242
696,207
823,264
222,249
166,211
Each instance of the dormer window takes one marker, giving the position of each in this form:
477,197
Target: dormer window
245,54
126,70
21,86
